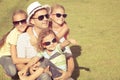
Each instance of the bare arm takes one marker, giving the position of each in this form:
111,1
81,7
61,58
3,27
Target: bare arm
67,42
63,32
64,44
70,62
24,68
36,74
15,59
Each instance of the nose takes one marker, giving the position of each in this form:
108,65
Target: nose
45,18
20,23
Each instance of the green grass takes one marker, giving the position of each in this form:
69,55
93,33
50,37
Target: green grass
95,26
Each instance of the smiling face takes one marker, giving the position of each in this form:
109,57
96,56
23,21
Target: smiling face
19,21
58,15
49,42
40,19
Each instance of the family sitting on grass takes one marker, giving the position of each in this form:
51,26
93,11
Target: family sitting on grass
37,47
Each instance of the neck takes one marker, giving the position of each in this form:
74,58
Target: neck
36,31
49,51
56,25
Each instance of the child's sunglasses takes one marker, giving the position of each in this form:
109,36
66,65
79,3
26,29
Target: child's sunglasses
48,43
16,23
59,15
41,17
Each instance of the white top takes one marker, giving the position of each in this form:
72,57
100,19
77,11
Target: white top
24,47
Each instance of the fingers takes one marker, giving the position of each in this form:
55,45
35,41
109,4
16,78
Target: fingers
58,78
46,69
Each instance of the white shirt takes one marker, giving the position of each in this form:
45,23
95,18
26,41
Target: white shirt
24,47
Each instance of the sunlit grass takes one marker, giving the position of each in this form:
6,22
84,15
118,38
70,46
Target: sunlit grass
95,26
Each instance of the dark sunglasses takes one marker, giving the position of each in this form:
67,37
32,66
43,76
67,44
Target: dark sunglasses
59,15
16,23
48,43
41,17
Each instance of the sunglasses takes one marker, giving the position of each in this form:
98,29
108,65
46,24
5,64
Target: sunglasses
41,17
16,23
48,43
59,15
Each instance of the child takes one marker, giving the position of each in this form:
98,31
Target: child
60,27
58,23
9,41
52,55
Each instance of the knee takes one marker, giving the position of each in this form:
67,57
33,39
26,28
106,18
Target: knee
11,71
44,76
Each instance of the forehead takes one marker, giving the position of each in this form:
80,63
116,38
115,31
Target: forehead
19,16
58,10
49,37
40,12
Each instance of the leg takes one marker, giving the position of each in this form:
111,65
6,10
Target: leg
8,65
44,76
53,68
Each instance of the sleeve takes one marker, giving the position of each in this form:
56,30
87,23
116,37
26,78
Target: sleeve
39,54
12,38
67,48
58,49
21,46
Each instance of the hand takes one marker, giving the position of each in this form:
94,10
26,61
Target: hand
22,77
23,71
65,75
47,70
73,41
34,67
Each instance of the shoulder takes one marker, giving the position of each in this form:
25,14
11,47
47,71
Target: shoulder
23,36
14,32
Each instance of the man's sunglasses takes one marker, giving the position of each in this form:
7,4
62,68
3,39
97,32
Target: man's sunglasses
41,17
59,15
48,43
16,23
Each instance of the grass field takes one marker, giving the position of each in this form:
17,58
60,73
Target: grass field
95,24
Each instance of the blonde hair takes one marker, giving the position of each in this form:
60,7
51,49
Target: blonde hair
43,34
56,6
3,39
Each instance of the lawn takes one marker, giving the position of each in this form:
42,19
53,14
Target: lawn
95,26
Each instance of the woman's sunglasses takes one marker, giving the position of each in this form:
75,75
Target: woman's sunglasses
41,17
16,23
48,43
59,15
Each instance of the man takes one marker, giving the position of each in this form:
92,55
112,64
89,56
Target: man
38,18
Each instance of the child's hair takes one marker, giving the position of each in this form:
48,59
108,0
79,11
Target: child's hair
56,6
3,39
43,34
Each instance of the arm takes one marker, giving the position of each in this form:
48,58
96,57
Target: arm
70,63
63,32
36,74
15,59
67,74
64,44
30,63
67,42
